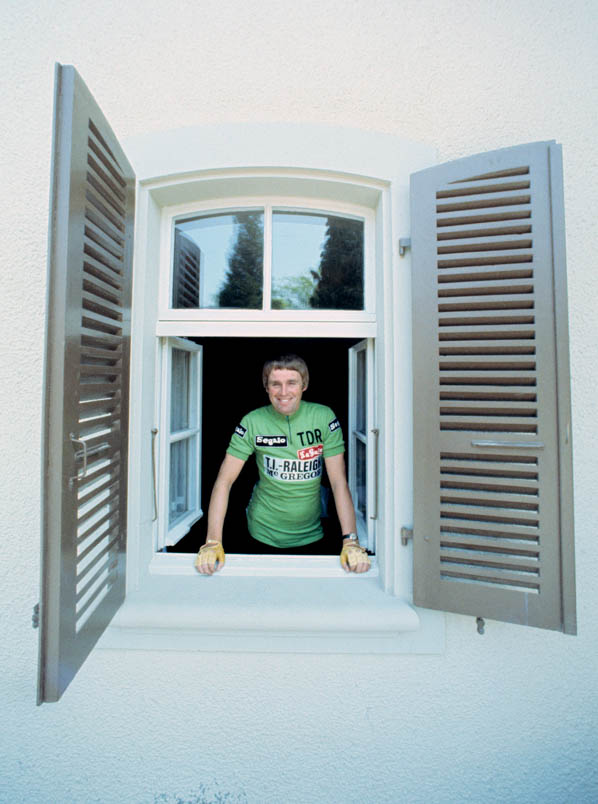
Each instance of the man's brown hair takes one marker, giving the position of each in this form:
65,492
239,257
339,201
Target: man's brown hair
290,362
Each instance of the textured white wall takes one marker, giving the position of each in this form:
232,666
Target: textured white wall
508,717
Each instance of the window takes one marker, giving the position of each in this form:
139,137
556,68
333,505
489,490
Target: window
484,523
268,259
180,458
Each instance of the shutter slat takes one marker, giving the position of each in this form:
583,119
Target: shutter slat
90,264
487,522
96,201
106,261
103,272
103,224
104,307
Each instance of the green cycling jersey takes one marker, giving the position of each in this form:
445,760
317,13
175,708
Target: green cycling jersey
285,508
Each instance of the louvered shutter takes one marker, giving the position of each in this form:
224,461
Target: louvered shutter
86,385
493,524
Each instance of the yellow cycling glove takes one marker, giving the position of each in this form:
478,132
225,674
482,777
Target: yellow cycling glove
354,558
210,557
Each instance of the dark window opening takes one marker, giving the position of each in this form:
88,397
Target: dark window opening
232,386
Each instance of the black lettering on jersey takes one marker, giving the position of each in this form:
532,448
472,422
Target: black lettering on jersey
240,430
271,441
334,425
309,437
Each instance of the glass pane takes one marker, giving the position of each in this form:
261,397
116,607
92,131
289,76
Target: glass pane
182,495
179,390
360,478
178,502
317,262
218,261
360,392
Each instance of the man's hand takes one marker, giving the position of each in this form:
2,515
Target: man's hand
210,558
354,558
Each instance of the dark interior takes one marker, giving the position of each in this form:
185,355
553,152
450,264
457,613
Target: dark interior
232,386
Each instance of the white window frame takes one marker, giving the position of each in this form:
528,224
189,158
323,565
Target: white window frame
167,322
168,536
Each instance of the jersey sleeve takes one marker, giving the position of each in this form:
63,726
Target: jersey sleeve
334,443
242,443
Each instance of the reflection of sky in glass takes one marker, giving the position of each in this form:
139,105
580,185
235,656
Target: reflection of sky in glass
297,241
215,235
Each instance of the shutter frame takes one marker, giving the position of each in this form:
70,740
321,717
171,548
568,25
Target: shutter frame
450,572
85,384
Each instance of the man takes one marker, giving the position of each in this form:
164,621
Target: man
291,439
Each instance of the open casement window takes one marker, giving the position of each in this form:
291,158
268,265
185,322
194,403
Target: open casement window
363,441
84,484
493,523
180,455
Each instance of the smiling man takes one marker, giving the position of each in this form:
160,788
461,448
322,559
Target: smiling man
292,440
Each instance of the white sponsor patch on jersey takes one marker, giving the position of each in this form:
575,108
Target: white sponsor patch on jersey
271,441
292,471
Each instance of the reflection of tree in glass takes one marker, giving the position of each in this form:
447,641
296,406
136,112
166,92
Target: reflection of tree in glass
242,286
294,292
340,277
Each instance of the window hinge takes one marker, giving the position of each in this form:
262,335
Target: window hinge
35,616
481,624
404,244
406,536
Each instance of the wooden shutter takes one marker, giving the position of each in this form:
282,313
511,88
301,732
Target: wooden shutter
493,524
86,385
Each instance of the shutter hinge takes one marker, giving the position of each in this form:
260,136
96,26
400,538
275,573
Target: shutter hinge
35,616
404,244
406,536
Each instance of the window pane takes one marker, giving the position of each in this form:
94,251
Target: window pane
179,391
317,262
360,479
218,261
182,479
361,392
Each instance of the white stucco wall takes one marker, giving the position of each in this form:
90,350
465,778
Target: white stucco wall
508,717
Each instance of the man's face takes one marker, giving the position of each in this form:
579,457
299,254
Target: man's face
285,389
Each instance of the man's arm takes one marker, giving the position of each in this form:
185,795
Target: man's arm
335,467
211,555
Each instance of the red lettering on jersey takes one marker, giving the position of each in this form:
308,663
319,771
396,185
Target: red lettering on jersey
310,452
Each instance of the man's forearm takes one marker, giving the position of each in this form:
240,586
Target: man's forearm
217,510
344,508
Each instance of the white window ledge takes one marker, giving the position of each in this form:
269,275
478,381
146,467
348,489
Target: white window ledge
349,614
244,565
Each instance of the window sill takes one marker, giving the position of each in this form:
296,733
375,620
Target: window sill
351,614
241,565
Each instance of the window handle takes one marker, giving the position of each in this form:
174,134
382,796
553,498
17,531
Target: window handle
84,445
376,433
154,434
512,444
